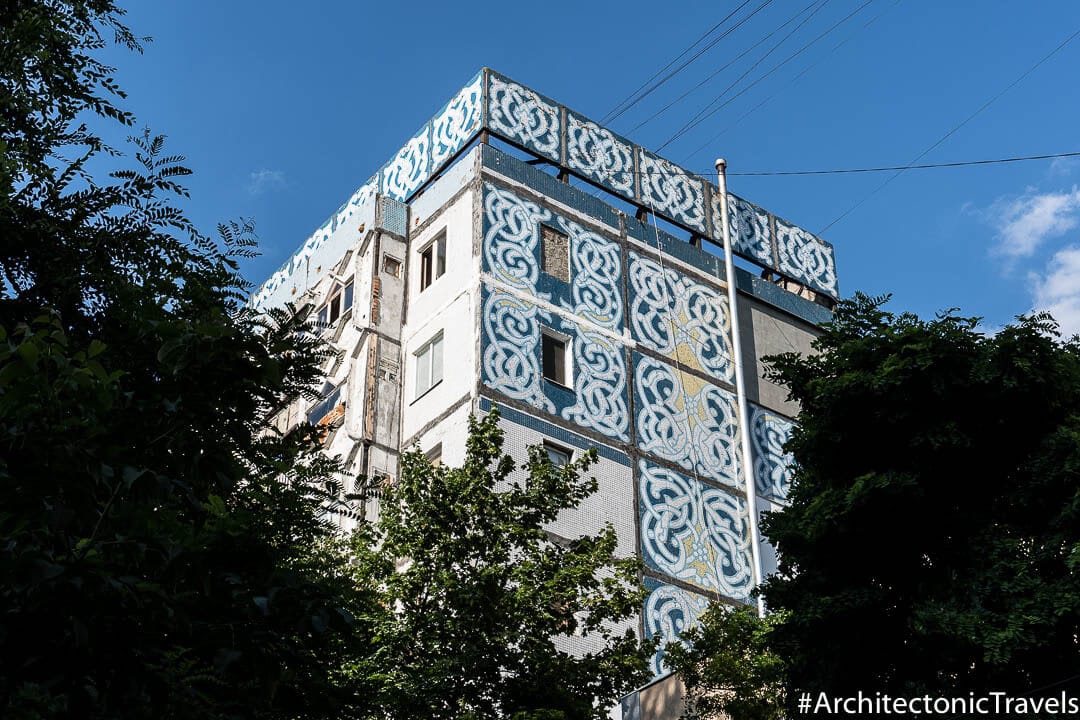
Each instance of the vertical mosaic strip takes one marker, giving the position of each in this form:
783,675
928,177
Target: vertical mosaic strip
599,154
669,611
694,532
671,191
452,128
772,466
805,258
510,362
410,168
686,420
524,116
680,317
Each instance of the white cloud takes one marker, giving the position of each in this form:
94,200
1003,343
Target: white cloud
264,181
1058,291
1027,221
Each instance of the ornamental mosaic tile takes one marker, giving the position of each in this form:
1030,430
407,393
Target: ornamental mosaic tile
409,169
511,364
751,234
669,610
805,258
599,154
671,191
694,532
512,230
680,317
452,128
686,420
524,116
772,466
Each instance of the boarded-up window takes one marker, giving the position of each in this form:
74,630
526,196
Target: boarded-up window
555,253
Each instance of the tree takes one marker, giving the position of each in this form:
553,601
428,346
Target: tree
727,666
475,592
932,542
163,550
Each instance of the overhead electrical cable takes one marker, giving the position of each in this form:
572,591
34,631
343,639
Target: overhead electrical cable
680,56
927,166
954,130
690,126
793,80
722,68
708,46
701,113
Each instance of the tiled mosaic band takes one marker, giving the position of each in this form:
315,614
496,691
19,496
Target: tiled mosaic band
545,128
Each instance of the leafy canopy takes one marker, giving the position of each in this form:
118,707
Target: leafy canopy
931,545
163,550
481,604
932,542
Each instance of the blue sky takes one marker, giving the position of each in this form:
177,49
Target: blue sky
283,114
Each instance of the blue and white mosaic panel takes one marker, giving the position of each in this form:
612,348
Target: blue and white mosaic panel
511,363
512,238
694,532
680,317
452,128
772,466
686,420
524,116
671,191
512,229
751,234
599,154
669,611
805,258
409,169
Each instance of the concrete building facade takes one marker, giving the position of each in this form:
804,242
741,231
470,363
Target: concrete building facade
478,268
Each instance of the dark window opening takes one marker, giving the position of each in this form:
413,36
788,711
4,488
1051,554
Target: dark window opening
559,457
433,261
555,359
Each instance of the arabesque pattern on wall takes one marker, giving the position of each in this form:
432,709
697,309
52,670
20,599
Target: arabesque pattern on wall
694,532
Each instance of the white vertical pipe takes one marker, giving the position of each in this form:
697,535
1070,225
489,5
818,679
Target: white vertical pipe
740,385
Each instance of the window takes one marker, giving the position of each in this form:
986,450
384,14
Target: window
391,265
337,304
555,253
556,357
429,365
559,456
433,261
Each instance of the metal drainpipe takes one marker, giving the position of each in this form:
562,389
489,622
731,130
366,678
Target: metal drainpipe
740,386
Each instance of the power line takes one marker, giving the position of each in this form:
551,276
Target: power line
710,45
886,168
722,68
703,112
657,74
949,134
793,80
701,118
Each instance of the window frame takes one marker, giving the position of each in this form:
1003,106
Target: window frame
426,354
433,260
567,360
551,447
340,296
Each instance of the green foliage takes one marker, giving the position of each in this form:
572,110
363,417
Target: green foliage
474,592
728,668
932,538
163,550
